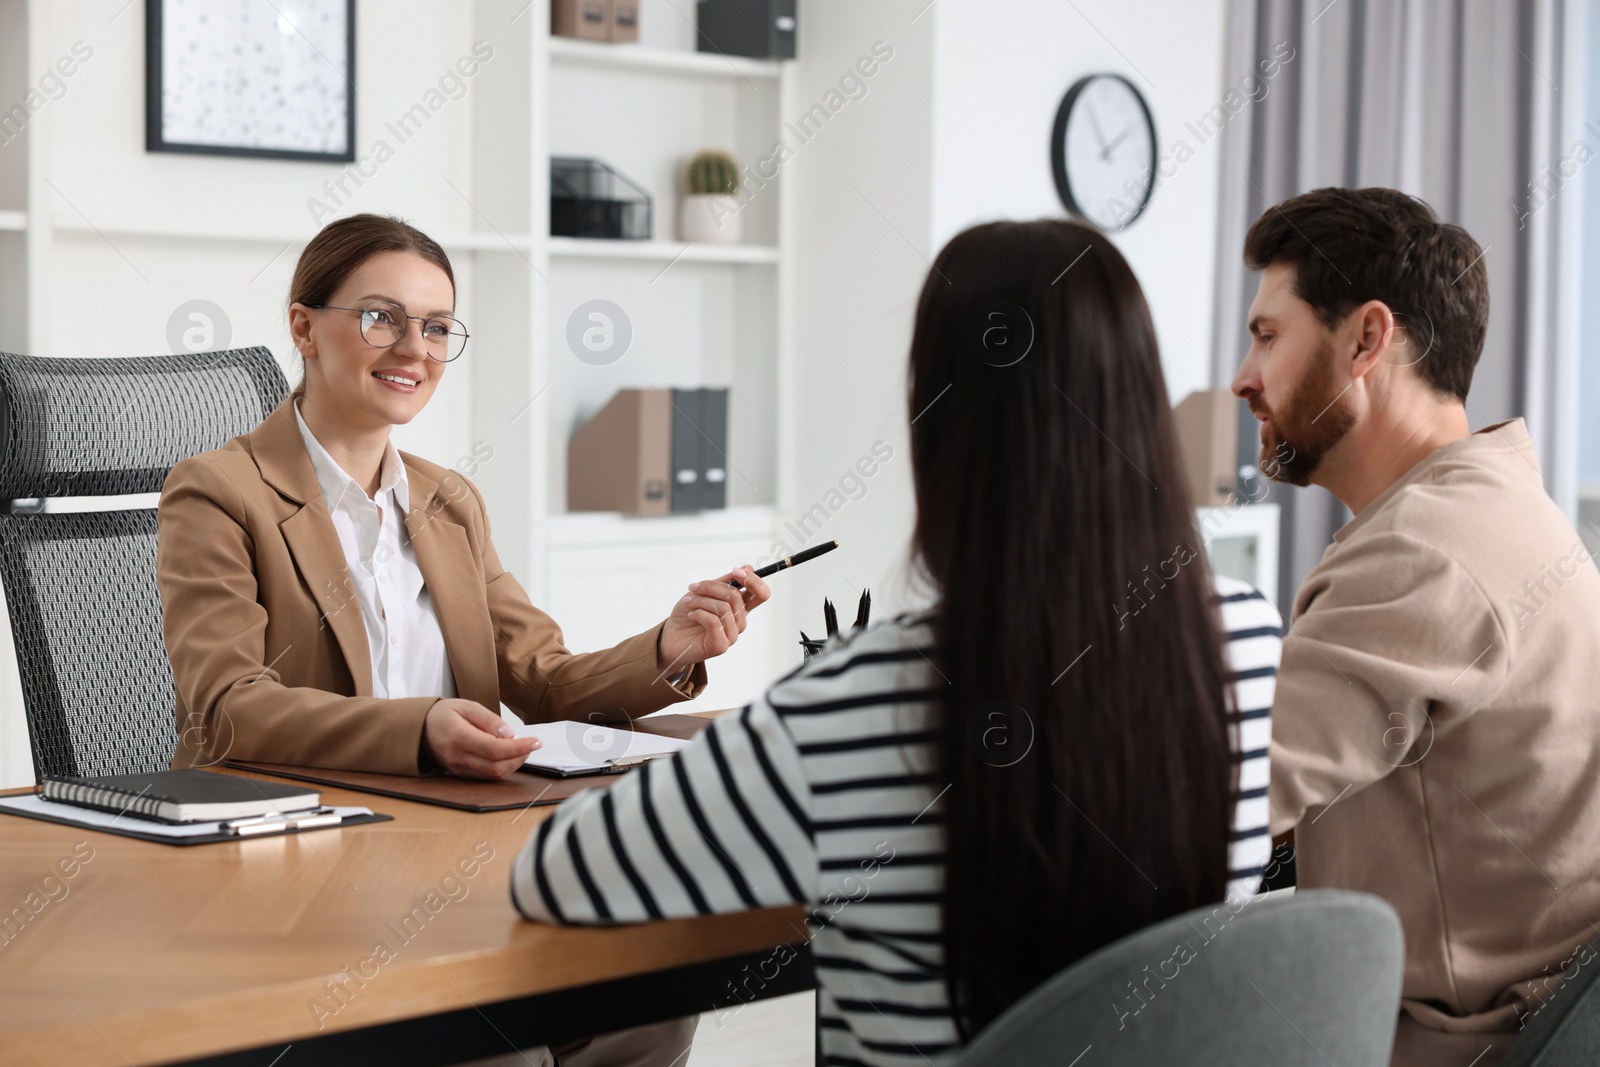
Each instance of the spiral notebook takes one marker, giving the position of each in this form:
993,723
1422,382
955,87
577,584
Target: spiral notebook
181,796
34,806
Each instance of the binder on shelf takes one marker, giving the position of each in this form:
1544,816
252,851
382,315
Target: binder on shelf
1208,438
764,29
714,448
618,460
584,19
687,462
622,20
652,452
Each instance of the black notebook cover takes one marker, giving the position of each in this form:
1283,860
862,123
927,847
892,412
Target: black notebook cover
145,795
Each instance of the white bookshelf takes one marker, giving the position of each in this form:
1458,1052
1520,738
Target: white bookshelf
662,251
712,315
458,241
1242,543
679,63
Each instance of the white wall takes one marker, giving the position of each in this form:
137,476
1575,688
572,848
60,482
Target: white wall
1001,68
955,130
864,190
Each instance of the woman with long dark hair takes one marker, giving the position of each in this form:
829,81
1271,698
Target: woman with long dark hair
1068,746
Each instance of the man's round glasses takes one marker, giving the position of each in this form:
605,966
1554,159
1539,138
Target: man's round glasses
383,324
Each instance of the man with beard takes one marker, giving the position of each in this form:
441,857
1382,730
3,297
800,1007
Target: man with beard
1438,705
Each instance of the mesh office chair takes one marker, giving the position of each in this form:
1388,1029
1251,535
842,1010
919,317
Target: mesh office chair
80,587
1308,979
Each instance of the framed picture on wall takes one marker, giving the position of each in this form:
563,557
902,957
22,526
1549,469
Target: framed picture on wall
251,78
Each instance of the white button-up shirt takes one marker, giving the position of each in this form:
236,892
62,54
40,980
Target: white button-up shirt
403,635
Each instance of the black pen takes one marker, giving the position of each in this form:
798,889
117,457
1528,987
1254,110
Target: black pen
863,609
790,561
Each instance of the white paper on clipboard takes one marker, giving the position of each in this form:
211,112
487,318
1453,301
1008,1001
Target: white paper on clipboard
573,748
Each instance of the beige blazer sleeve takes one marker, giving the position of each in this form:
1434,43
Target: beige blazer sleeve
268,650
542,681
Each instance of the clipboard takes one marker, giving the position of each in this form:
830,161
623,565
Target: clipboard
443,790
522,790
30,806
580,750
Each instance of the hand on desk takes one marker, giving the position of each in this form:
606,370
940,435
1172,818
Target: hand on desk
469,740
709,619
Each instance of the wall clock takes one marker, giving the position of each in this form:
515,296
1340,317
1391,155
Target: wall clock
1103,150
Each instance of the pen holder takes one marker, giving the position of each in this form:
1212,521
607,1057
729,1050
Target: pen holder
811,646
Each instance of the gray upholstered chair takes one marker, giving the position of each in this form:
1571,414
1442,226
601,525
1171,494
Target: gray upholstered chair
1306,979
80,586
1565,1030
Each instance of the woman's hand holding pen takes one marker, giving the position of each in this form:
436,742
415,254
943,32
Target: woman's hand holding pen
707,621
469,740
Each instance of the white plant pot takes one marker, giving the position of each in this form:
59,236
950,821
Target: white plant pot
709,219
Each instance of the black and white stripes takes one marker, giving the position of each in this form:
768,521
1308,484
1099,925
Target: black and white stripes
820,793
1255,638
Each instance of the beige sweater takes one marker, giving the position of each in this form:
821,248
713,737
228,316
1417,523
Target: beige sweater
1436,731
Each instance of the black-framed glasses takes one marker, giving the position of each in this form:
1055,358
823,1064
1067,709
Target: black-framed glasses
384,323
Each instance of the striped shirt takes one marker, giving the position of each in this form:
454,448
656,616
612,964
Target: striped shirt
812,795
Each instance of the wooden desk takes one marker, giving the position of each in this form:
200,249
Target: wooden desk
223,953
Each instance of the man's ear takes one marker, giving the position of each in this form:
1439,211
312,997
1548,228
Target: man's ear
1379,336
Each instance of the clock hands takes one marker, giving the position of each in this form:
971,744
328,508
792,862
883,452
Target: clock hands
1094,123
1105,149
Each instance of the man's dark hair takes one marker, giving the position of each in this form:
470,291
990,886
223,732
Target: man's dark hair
1349,246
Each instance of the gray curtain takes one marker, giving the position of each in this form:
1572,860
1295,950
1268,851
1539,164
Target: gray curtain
1462,103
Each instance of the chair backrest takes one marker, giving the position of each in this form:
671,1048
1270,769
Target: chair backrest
1564,1029
1308,978
80,586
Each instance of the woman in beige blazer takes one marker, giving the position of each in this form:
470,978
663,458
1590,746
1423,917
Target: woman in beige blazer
265,590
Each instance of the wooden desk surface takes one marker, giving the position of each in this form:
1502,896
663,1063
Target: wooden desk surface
149,953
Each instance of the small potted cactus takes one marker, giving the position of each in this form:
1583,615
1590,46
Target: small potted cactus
709,211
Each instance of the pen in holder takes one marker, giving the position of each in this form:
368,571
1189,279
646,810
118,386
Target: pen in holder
830,619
